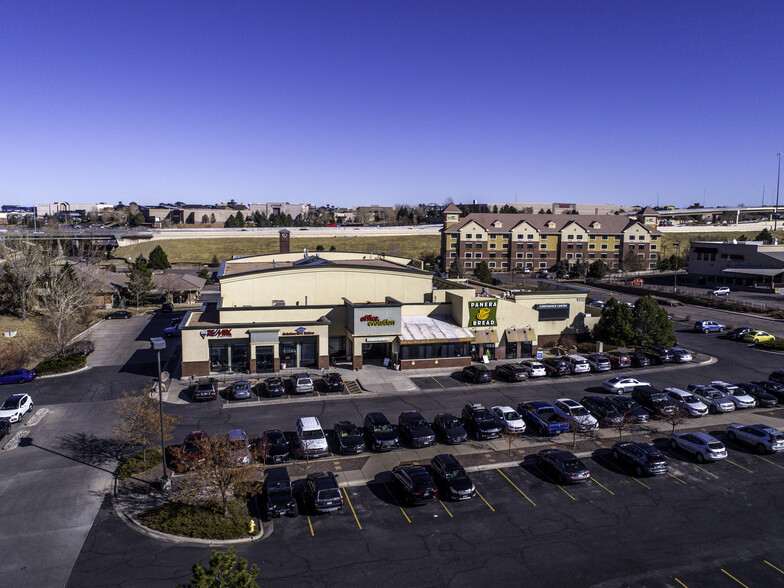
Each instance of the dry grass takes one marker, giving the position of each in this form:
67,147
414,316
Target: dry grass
201,251
669,239
31,335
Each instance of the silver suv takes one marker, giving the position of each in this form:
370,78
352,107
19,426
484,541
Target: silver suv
762,437
302,383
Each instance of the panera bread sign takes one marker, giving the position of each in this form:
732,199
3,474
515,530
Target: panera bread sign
481,313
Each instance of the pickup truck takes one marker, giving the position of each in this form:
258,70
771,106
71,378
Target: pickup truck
541,417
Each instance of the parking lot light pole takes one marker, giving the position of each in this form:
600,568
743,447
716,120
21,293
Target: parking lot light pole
677,263
776,209
159,344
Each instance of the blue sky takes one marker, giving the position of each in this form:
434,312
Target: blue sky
351,103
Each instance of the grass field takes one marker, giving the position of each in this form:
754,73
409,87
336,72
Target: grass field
669,239
201,251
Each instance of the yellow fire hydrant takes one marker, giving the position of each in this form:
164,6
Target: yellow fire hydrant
252,527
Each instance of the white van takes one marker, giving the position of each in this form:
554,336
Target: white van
312,440
577,364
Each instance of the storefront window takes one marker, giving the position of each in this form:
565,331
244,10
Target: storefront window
511,350
229,356
434,351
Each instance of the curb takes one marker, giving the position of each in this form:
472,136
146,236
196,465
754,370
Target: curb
84,369
13,443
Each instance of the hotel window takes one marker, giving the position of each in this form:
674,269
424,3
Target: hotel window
591,255
491,264
519,237
653,247
617,246
579,237
591,246
469,236
570,246
519,264
530,246
519,256
468,255
520,245
452,254
604,256
468,245
528,264
492,245
542,245
542,264
578,255
604,246
605,237
453,245
468,264
478,255
530,237
492,256
631,237
504,245
504,264
569,255
529,255
570,237
543,255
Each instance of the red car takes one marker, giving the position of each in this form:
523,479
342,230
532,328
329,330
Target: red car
193,448
638,282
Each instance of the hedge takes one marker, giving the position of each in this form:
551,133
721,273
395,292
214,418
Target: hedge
136,463
61,366
203,521
777,345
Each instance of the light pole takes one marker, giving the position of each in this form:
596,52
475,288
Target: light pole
778,181
677,263
159,344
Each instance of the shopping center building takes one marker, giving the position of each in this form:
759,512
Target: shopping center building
288,310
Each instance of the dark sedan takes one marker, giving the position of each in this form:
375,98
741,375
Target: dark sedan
764,399
737,334
639,359
449,429
17,376
348,438
771,387
658,354
273,447
452,479
554,367
477,374
564,465
643,457
630,409
332,382
512,372
274,387
118,314
415,484
602,410
5,427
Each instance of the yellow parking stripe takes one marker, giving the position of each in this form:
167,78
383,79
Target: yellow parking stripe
737,465
774,567
311,527
485,501
437,382
351,506
770,462
515,487
446,509
681,583
559,486
602,485
674,477
397,503
641,483
734,578
706,471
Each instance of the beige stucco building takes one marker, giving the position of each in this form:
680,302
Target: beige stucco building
290,310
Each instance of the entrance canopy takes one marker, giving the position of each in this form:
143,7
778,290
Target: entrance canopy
425,329
482,336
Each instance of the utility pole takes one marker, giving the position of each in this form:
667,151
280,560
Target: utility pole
776,209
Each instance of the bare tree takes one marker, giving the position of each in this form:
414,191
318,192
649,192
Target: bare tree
138,421
27,262
581,431
676,417
510,437
624,423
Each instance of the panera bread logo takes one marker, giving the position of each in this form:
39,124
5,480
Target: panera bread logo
373,321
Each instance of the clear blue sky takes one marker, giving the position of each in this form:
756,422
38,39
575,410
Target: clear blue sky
352,103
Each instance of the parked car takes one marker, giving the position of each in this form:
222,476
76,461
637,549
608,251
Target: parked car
716,401
639,359
637,282
737,334
542,418
763,438
619,385
278,494
566,467
302,383
596,304
205,390
576,414
577,364
81,347
414,428
172,332
451,479
708,327
654,401
511,372
273,446
415,484
449,429
758,393
348,438
118,314
680,355
333,382
758,337
167,307
774,388
720,291
510,421
5,427
534,368
630,409
323,493
17,376
274,387
480,422
239,447
777,376
311,438
643,457
703,446
193,448
555,366
738,396
240,390
604,411
619,360
658,354
598,362
380,434
477,374
687,401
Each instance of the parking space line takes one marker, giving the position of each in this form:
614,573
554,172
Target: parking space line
770,462
351,506
565,492
485,501
737,465
515,487
641,483
602,485
774,567
706,471
397,503
681,583
446,509
312,534
674,477
734,578
559,486
437,382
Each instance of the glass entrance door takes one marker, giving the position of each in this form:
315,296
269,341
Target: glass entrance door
288,354
307,353
265,358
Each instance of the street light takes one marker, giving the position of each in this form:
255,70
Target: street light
677,263
159,344
776,209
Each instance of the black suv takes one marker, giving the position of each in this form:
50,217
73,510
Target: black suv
205,390
771,387
764,398
658,354
323,493
643,457
777,376
477,374
167,307
274,445
278,496
332,382
512,372
449,429
414,428
630,409
274,387
654,401
380,434
481,422
415,484
451,478
555,366
602,410
348,438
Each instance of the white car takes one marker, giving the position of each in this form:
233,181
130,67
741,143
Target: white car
15,407
577,364
716,401
596,304
535,369
737,395
702,445
762,437
687,401
576,413
720,291
680,355
509,419
619,385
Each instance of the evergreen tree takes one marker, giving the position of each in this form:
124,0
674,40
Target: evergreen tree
579,269
205,219
508,209
140,282
212,218
495,209
204,274
765,236
239,219
319,247
615,327
158,259
215,262
231,222
482,273
651,324
226,570
456,269
561,267
597,270
332,248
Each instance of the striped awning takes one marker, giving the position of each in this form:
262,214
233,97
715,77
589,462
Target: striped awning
482,336
425,329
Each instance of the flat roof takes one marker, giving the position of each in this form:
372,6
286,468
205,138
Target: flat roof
233,269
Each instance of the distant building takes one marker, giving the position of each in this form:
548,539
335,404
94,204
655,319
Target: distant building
281,208
68,209
748,264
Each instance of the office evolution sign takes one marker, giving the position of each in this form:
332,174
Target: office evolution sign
481,313
380,320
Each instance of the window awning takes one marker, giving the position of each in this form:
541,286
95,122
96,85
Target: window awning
525,335
425,329
482,336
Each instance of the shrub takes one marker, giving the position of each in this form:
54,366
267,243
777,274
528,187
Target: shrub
61,366
204,521
777,345
136,464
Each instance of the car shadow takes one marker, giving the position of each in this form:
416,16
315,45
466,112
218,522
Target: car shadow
604,459
597,390
531,465
382,488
